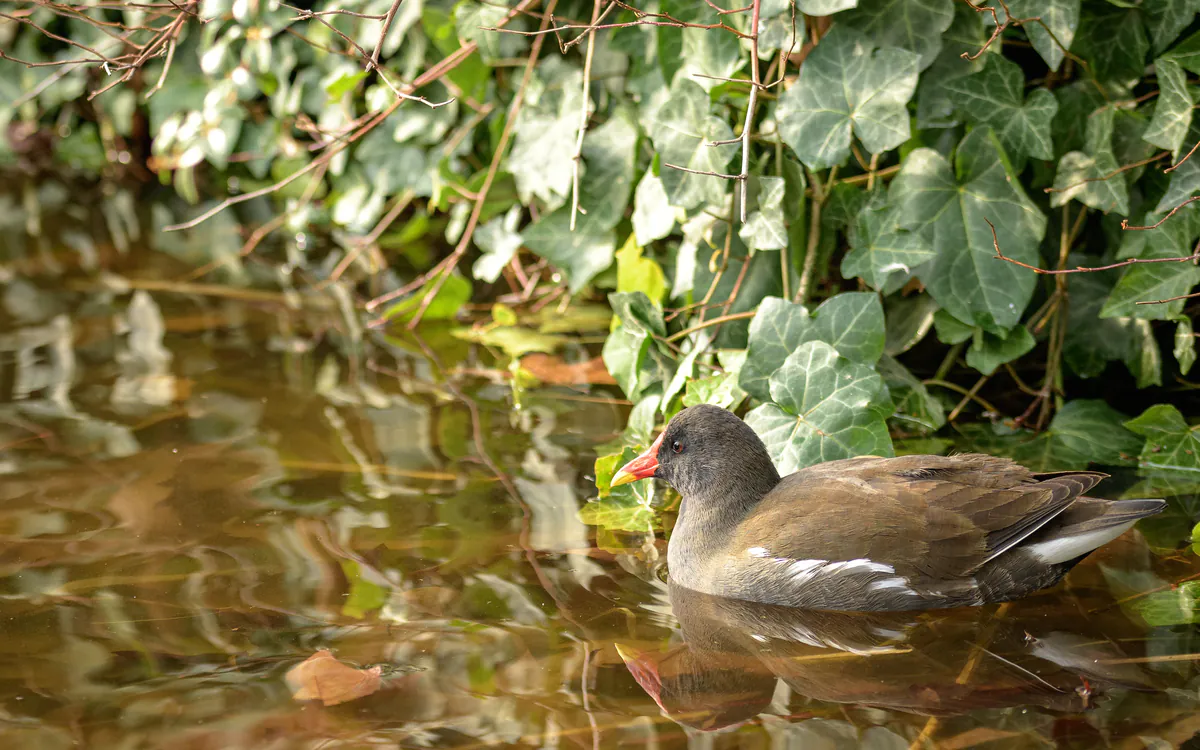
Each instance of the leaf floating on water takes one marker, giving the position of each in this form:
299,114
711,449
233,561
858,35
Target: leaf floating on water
322,677
553,370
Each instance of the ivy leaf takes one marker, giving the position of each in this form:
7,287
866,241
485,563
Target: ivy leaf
499,241
881,248
915,407
639,274
1146,282
628,347
544,141
847,84
580,254
1113,41
851,322
966,35
1092,177
995,96
1170,442
913,25
1084,431
1092,342
764,228
453,294
721,390
1185,345
623,508
653,217
1060,16
608,153
1166,18
949,206
682,130
824,407
1185,182
1187,53
1172,109
988,351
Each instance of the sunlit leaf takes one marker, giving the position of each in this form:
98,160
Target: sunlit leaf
764,228
823,407
447,301
1170,442
682,132
1055,33
913,25
580,254
636,273
851,322
1093,177
1185,345
1172,109
653,217
995,96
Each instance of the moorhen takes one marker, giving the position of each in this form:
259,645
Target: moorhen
869,533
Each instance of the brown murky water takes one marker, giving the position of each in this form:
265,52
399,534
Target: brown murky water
202,488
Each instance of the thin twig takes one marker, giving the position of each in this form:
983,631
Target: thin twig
1125,222
501,146
1173,167
702,172
747,126
1110,175
577,157
1086,269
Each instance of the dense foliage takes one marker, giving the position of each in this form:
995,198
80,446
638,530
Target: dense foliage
854,248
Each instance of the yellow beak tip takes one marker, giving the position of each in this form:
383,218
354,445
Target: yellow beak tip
622,477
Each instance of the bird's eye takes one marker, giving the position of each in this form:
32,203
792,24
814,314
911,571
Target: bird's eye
677,446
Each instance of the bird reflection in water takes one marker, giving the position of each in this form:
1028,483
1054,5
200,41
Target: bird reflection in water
937,663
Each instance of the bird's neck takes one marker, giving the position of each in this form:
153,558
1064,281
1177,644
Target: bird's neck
708,521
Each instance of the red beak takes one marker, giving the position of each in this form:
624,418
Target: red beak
642,467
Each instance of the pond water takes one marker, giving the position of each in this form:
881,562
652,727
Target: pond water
201,488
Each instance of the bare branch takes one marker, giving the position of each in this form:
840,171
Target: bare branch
1084,269
1125,222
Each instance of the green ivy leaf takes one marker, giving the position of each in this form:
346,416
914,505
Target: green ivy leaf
1185,345
851,322
1172,109
995,96
1146,282
682,130
1089,177
579,254
1170,443
764,228
499,241
847,84
1084,431
1185,182
623,508
1166,18
988,351
639,274
1060,17
454,293
913,25
966,35
916,408
544,138
653,217
949,206
608,155
1113,41
881,248
824,407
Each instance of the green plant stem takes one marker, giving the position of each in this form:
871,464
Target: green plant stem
714,322
948,361
814,234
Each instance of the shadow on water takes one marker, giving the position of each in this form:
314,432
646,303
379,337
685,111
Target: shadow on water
203,486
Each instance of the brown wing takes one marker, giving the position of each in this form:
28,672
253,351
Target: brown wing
933,516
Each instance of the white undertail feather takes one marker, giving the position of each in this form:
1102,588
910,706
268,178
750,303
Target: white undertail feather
1066,548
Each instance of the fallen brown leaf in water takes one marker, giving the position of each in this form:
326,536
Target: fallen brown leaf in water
553,370
324,678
